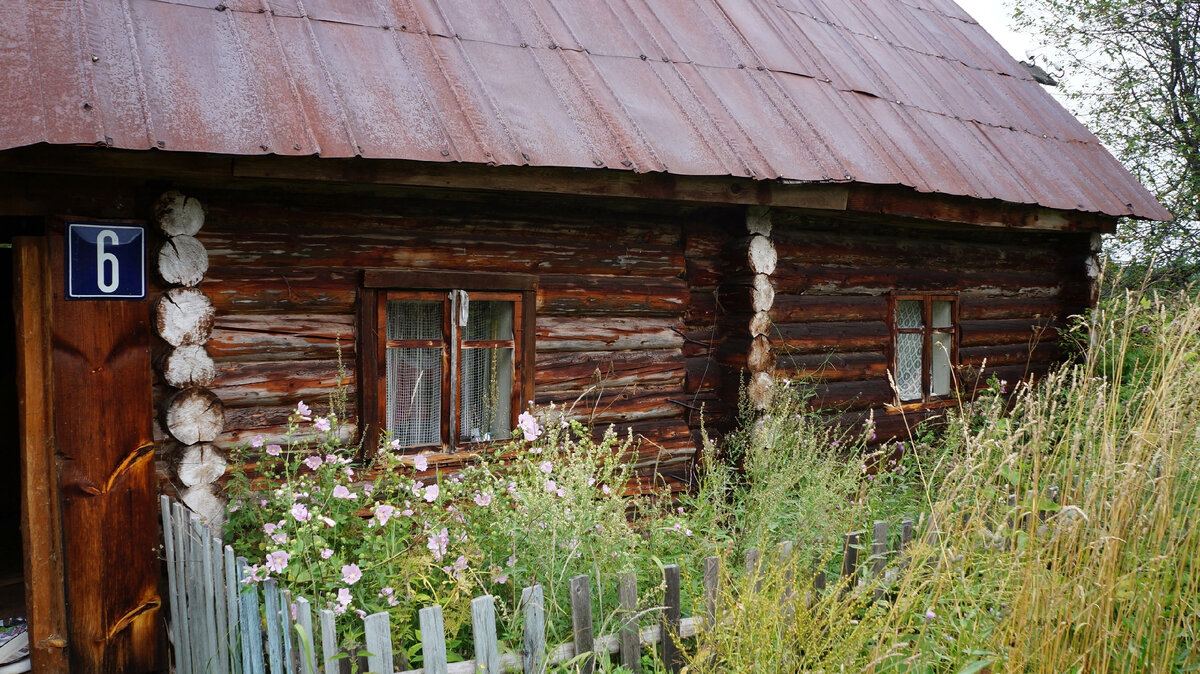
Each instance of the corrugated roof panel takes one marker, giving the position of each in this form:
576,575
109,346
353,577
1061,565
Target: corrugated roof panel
909,92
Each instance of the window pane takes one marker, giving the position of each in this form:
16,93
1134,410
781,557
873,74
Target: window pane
908,366
486,391
908,314
939,368
414,319
942,316
488,319
414,395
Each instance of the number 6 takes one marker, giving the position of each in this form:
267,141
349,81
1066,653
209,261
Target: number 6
107,282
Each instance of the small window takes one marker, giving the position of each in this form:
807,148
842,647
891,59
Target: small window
450,364
925,345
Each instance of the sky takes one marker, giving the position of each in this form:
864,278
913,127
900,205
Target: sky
996,17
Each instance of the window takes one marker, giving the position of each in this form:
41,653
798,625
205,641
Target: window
925,345
445,356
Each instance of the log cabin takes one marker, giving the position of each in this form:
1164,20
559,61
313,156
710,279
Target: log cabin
455,209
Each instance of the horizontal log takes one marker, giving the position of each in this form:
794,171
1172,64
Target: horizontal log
839,336
701,308
703,372
704,272
446,250
791,278
853,394
1012,354
259,383
575,294
833,366
576,370
989,308
789,308
284,336
626,404
346,433
248,290
923,249
1008,331
555,333
702,341
460,217
704,239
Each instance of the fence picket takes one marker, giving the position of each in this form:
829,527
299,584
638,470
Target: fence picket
879,536
274,638
534,643
378,630
204,543
850,561
252,656
173,578
306,646
628,637
785,559
433,640
483,628
219,608
291,662
231,607
581,622
670,623
329,644
194,627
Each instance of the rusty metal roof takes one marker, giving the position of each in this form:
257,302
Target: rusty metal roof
907,92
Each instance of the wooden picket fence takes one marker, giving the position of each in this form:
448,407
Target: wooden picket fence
219,624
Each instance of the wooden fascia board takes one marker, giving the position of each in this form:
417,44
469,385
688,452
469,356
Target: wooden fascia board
248,171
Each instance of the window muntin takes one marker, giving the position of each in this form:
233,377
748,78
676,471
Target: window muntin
452,365
925,347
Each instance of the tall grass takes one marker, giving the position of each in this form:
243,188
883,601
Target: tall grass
1105,579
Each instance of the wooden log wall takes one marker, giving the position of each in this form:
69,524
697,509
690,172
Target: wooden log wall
1016,290
612,317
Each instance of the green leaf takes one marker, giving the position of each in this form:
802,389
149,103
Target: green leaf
974,667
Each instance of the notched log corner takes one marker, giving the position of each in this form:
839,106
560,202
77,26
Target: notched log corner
184,316
179,215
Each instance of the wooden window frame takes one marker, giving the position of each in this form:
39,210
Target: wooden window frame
926,331
380,285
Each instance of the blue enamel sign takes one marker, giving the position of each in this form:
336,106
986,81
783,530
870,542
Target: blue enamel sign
105,262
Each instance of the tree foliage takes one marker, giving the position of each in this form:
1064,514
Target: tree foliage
1130,70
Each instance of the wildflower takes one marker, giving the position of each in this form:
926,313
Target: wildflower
483,499
388,594
321,424
326,553
328,521
502,579
351,574
344,597
342,492
394,444
280,538
303,410
360,613
529,426
277,561
274,450
551,485
313,462
930,615
368,488
605,489
252,575
546,467
437,544
269,528
383,513
348,471
407,512
687,532
257,441
431,493
560,492
338,609
300,512
420,463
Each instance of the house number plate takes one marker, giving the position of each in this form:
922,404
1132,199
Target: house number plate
105,262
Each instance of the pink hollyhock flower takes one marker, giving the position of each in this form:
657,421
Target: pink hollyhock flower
389,595
300,512
313,462
269,528
342,492
383,513
277,561
326,553
303,410
546,467
274,450
437,544
279,538
321,424
257,441
529,426
351,574
344,597
328,521
483,499
420,463
551,485
431,493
